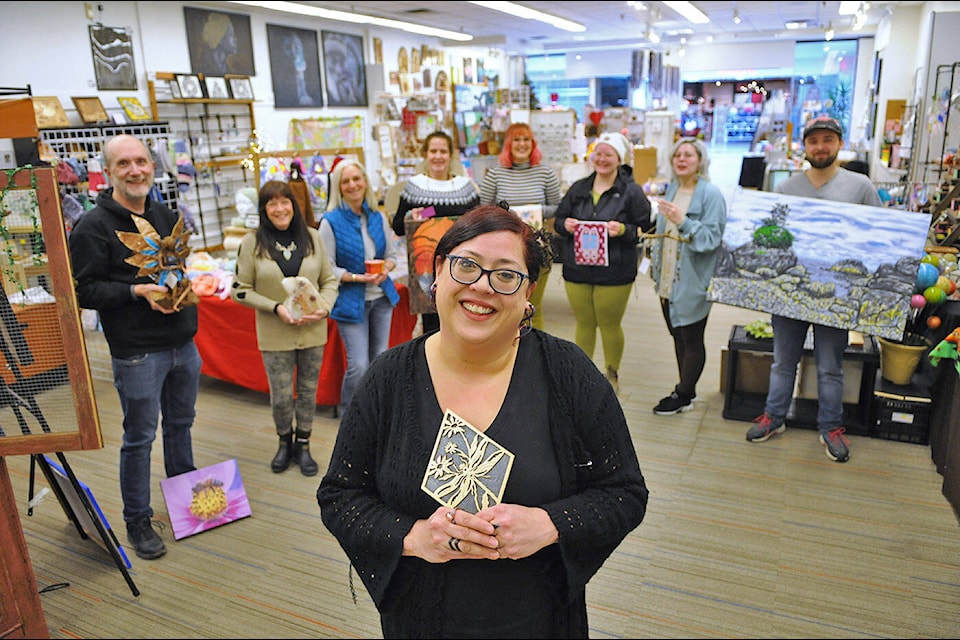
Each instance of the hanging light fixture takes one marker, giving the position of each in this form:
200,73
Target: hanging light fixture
828,34
736,14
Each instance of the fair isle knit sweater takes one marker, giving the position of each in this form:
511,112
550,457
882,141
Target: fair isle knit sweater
522,184
453,197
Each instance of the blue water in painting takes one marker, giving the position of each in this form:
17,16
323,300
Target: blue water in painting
826,231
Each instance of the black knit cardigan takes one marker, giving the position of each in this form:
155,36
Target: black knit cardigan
370,496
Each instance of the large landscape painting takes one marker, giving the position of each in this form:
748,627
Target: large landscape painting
842,265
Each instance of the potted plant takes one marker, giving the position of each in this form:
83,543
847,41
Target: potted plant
899,358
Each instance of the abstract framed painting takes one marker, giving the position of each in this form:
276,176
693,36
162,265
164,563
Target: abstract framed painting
241,88
113,62
343,68
220,43
294,67
842,265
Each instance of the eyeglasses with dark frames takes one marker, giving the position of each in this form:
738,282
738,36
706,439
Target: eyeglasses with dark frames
504,281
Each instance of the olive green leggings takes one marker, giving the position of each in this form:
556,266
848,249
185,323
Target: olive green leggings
599,306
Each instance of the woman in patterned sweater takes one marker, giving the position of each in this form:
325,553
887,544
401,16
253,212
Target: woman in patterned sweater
520,179
448,194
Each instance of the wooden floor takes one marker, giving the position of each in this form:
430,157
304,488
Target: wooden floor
740,539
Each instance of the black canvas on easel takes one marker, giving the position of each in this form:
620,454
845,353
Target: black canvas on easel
20,396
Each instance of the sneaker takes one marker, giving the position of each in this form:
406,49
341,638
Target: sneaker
835,444
146,543
673,403
764,427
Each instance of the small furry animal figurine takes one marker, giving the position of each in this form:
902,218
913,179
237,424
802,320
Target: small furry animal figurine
302,296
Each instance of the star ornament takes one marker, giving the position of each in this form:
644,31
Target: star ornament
163,260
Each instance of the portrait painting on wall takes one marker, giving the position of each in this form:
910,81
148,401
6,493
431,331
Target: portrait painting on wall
112,50
219,42
344,70
848,266
294,67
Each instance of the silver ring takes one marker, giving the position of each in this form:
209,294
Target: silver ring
451,516
454,544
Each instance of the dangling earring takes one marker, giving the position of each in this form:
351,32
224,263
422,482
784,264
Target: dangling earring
433,294
526,323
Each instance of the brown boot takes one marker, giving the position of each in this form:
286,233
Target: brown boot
301,455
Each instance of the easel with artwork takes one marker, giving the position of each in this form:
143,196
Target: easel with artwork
53,413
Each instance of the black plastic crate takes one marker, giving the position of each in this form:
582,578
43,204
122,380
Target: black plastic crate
901,420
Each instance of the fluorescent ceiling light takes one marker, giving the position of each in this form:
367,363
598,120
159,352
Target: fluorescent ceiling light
796,24
849,8
530,14
356,18
689,12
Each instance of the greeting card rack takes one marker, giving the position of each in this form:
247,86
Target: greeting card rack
216,134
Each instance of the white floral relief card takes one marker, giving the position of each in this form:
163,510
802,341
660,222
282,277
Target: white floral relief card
467,470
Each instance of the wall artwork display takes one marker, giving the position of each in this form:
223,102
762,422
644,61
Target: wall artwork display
841,265
219,42
344,69
134,109
90,109
216,88
403,61
240,88
189,86
49,112
294,67
377,51
113,64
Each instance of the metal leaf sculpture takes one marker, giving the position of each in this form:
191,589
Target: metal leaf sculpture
163,260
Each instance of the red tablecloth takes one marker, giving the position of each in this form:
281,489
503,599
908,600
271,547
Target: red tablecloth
227,340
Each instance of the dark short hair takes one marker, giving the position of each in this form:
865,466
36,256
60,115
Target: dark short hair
490,218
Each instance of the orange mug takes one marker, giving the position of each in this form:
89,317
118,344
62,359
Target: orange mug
374,266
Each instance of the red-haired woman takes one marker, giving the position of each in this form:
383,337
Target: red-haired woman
520,179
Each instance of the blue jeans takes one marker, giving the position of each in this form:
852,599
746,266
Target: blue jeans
150,385
363,342
829,344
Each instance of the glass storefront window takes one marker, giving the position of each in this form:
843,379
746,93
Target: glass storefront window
824,74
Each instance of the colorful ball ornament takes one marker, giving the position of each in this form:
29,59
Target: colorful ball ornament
930,258
927,276
917,301
946,284
934,295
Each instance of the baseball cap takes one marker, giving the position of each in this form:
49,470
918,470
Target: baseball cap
822,123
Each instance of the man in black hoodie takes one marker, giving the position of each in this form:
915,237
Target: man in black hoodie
156,365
